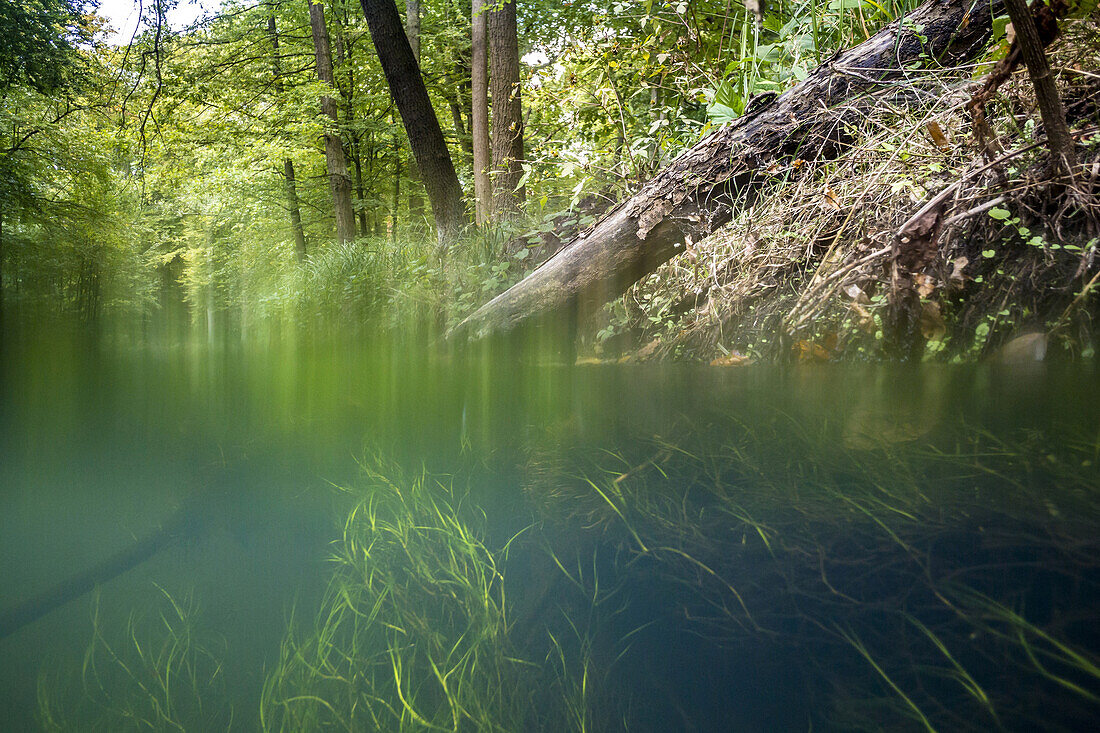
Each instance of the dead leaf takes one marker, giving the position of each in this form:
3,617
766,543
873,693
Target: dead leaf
926,285
938,137
809,351
831,199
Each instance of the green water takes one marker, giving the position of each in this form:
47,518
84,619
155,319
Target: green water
708,549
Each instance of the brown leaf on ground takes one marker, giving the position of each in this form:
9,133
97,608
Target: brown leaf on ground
936,133
957,266
809,351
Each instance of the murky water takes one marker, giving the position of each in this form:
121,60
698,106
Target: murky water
641,547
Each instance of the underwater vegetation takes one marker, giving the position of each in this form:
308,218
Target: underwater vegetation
943,585
721,576
162,671
414,631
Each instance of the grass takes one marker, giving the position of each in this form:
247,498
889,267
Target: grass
413,633
162,673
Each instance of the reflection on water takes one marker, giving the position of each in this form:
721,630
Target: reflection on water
363,537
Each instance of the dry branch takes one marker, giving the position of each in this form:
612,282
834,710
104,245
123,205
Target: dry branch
723,173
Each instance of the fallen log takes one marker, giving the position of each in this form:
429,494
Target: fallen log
723,173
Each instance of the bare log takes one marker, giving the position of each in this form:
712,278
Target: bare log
723,173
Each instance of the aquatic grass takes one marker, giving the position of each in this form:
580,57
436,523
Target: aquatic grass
414,630
163,672
957,671
852,638
860,547
1000,620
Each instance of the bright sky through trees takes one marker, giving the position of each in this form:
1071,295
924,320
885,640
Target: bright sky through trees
124,15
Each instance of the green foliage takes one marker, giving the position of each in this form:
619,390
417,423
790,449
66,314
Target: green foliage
40,40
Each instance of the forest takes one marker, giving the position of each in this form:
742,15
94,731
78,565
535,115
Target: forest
549,365
347,167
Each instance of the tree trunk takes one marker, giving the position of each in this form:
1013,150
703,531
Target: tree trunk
288,164
479,115
337,166
295,209
1046,93
396,185
412,30
422,126
461,134
354,152
357,163
722,174
507,121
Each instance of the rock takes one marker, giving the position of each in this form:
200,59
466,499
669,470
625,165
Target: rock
1026,349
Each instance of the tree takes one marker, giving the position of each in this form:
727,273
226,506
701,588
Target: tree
339,181
293,206
412,30
479,115
355,147
507,120
421,124
39,39
1046,93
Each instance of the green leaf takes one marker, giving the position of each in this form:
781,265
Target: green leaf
998,213
720,114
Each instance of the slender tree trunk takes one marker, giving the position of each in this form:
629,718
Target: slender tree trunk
295,209
422,126
657,115
479,114
1046,93
374,166
454,101
339,181
357,163
507,120
412,30
354,149
288,164
396,185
